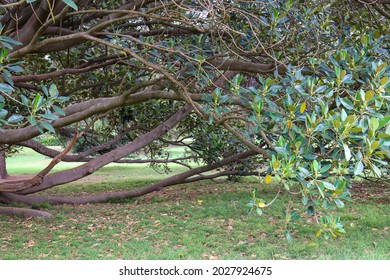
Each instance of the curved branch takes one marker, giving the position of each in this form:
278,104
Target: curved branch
86,169
103,197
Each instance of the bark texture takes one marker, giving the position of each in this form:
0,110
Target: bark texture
3,166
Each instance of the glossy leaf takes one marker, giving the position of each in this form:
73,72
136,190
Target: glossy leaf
71,4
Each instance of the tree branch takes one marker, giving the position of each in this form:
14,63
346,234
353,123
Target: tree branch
103,197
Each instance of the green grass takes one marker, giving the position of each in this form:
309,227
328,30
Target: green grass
203,220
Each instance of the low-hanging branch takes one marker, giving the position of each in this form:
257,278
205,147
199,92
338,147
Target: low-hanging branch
86,169
84,156
20,185
184,177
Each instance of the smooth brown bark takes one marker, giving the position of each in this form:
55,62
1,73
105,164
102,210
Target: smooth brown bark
184,177
86,169
3,165
84,156
83,110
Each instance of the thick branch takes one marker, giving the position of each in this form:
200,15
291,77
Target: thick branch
20,185
79,172
83,110
173,180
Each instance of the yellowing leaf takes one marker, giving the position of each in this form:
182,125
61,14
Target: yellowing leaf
342,74
375,145
369,95
318,233
289,124
268,179
384,81
377,34
303,107
261,204
276,164
199,201
350,119
380,67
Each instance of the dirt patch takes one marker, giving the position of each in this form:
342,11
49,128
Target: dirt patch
370,191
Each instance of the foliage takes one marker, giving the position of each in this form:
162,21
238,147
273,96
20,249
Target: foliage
49,140
304,84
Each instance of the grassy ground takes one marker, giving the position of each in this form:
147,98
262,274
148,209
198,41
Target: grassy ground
203,220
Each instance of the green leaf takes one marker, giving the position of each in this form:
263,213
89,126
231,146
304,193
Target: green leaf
32,120
383,121
281,150
305,200
15,118
329,186
259,211
309,156
325,168
373,124
320,89
71,4
376,170
339,203
15,68
47,126
45,91
315,166
58,110
37,101
49,116
364,40
359,167
62,98
6,88
10,40
347,152
53,90
25,100
288,235
3,113
343,115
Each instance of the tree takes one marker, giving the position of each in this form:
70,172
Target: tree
299,87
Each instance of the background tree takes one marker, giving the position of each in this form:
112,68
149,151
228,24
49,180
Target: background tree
300,87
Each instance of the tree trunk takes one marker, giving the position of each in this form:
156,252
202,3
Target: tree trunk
3,166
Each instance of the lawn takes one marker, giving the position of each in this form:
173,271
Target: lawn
204,220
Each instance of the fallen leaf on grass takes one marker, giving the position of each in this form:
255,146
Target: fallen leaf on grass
30,243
